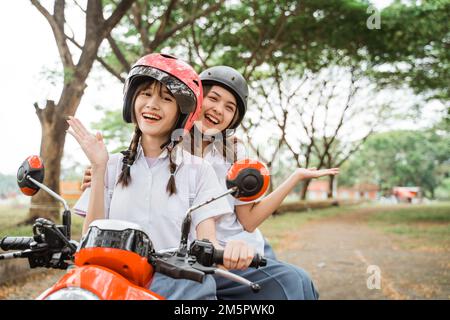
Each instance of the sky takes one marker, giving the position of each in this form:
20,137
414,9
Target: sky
28,52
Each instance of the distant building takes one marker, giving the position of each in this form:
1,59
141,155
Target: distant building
364,191
318,190
70,190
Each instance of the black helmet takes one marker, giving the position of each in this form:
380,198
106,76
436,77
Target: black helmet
231,80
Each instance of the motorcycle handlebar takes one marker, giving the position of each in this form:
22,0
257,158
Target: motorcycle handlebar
16,243
257,261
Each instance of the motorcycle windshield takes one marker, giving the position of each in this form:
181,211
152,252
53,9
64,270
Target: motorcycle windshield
129,239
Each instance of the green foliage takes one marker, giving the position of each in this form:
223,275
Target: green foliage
401,158
443,190
276,227
11,216
116,132
414,39
410,48
439,213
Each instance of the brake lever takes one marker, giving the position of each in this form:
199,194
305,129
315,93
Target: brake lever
50,225
177,267
234,277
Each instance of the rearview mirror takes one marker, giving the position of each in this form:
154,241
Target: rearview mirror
33,166
251,177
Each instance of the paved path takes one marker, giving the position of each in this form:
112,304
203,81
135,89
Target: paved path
337,252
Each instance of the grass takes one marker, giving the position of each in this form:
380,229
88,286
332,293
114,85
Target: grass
424,225
419,225
11,216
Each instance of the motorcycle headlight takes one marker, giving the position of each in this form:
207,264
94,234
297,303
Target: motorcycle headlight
72,293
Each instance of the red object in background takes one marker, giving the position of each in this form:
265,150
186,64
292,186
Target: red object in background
404,194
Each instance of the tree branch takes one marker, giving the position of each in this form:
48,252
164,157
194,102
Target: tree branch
38,112
118,53
116,16
161,36
196,46
164,21
79,6
100,60
56,22
280,28
142,26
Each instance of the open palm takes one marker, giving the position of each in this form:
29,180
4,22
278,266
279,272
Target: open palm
92,145
313,173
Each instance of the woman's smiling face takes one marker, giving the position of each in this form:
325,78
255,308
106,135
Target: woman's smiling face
218,110
155,109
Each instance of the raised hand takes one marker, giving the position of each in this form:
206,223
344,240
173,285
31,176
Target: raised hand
92,145
313,173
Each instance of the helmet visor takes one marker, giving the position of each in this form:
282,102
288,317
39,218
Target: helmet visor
183,94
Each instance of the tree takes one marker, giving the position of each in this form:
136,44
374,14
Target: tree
413,48
320,118
52,116
260,38
402,158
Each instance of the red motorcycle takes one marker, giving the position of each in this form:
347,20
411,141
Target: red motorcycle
115,260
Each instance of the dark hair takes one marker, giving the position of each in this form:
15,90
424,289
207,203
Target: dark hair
171,186
129,155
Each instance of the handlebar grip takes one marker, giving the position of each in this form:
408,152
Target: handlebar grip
16,243
257,261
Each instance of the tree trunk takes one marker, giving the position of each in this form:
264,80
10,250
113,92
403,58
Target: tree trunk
53,117
52,145
432,193
331,186
54,126
304,190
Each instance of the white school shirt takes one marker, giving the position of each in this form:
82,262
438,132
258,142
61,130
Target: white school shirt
146,202
228,226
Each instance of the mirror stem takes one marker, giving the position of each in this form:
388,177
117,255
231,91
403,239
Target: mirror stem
229,191
66,219
51,192
186,226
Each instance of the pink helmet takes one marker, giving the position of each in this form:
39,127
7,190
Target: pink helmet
178,76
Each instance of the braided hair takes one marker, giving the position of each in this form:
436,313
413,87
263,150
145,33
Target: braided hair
171,187
129,156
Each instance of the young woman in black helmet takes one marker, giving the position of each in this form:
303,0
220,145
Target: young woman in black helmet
224,106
